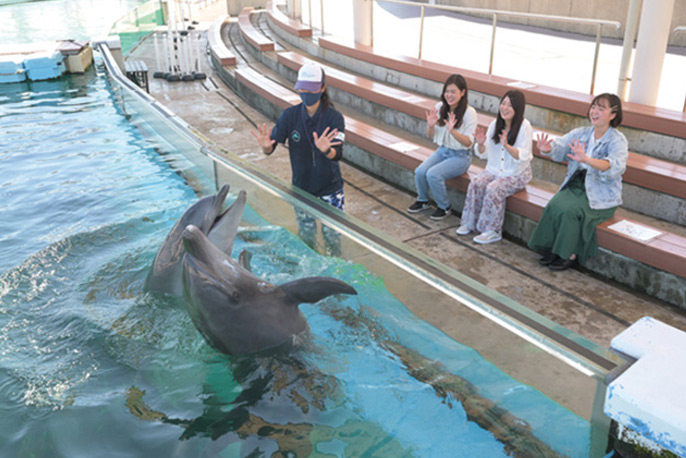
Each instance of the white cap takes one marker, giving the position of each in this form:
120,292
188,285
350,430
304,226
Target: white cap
310,77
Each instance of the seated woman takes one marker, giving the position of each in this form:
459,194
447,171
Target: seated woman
451,125
507,146
592,189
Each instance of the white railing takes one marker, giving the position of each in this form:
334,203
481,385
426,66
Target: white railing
495,15
681,29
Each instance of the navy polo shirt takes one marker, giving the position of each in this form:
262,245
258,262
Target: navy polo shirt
312,171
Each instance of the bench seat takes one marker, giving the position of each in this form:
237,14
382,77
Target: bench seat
291,26
643,117
217,47
253,36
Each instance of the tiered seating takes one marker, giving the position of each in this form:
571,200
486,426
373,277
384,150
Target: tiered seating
643,171
666,251
289,25
218,49
251,34
641,117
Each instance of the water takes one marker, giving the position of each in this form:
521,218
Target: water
90,365
48,20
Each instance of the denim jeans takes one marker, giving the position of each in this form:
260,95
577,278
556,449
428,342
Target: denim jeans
443,164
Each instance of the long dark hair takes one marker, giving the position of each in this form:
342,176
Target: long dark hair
615,107
518,102
459,81
325,100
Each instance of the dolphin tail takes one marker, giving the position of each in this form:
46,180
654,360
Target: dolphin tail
225,229
314,289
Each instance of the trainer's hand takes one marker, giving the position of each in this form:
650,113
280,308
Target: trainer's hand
326,141
264,139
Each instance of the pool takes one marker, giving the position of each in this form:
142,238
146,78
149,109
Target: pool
92,177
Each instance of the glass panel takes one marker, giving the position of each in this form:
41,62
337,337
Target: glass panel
137,23
526,383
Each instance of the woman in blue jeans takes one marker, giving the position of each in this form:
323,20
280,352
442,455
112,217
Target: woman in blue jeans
451,124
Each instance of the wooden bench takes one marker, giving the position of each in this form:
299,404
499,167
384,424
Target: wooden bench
289,25
253,36
643,171
638,116
217,47
137,71
268,89
666,251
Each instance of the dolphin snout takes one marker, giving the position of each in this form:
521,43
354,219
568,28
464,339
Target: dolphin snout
191,239
191,232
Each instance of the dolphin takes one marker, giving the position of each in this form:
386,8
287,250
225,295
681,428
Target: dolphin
165,274
236,311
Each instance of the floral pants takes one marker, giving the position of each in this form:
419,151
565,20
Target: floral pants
484,208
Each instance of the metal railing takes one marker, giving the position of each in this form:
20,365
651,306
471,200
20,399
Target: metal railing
138,23
680,29
495,14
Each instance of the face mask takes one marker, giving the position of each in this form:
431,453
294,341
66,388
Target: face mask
310,98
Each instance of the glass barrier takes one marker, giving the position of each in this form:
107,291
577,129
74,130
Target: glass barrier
502,362
137,24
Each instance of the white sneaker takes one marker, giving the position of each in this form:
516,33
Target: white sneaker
463,230
488,237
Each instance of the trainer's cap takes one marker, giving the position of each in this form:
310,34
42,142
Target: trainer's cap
310,78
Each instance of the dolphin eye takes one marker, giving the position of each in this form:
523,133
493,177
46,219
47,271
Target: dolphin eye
235,297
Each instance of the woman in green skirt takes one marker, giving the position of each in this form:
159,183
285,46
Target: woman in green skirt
592,189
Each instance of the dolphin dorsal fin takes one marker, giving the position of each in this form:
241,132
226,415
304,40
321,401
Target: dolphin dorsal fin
314,289
224,231
244,260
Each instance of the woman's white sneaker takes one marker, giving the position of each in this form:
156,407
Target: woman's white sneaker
463,230
488,237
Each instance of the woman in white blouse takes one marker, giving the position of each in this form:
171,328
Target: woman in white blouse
507,146
451,125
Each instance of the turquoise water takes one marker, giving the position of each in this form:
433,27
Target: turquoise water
92,366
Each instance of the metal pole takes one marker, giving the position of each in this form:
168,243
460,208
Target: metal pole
371,24
599,34
309,9
321,10
421,34
675,31
490,62
628,46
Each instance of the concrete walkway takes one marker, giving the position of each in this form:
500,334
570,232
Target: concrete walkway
581,303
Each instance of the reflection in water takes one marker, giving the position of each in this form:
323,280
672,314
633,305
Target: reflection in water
286,409
307,232
294,405
514,433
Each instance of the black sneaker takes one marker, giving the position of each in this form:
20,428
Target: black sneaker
441,214
418,206
548,259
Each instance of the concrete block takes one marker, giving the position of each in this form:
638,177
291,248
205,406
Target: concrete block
649,396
